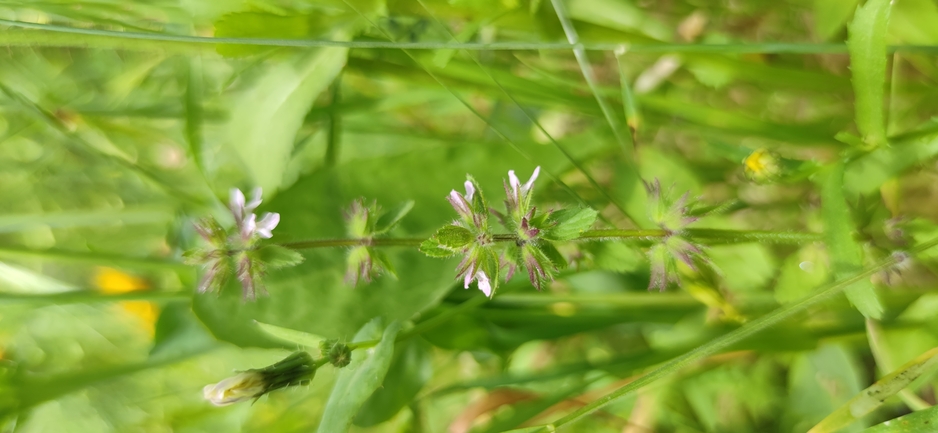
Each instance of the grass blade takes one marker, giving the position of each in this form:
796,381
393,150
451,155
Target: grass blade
871,398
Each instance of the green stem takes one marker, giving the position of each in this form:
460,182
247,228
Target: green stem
86,296
331,243
712,235
726,340
56,35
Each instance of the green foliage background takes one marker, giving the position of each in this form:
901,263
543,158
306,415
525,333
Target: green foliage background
123,123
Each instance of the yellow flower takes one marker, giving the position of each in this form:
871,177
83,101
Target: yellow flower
762,166
113,281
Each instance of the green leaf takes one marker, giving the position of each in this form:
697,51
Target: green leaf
801,273
266,116
867,46
276,257
179,333
453,236
301,338
431,247
569,223
923,421
410,370
871,398
359,380
845,253
393,217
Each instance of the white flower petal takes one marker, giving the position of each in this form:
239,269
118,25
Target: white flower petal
236,203
467,280
255,199
470,190
484,284
530,182
513,181
267,224
249,226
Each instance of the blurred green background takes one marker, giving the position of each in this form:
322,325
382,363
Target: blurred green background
115,140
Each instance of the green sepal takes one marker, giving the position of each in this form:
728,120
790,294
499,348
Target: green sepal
551,253
276,257
567,224
387,221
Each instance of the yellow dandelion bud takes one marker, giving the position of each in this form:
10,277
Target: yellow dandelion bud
762,166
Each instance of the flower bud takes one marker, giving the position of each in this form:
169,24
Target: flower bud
296,369
338,354
762,166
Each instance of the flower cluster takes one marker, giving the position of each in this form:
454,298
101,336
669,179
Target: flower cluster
236,251
530,235
672,217
295,370
364,221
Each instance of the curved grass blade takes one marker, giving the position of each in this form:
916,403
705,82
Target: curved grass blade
871,398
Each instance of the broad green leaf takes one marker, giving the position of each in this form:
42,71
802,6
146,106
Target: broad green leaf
359,380
923,421
301,338
178,332
410,369
845,253
867,46
874,396
266,116
276,257
801,273
567,224
453,236
831,15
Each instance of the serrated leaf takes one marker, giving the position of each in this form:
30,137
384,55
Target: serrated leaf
276,257
453,236
569,223
867,46
431,247
845,253
301,338
359,380
393,217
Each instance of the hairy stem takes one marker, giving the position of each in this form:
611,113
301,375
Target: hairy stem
710,236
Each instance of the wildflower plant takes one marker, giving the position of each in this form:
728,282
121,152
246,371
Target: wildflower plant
529,241
672,217
324,102
365,221
237,251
